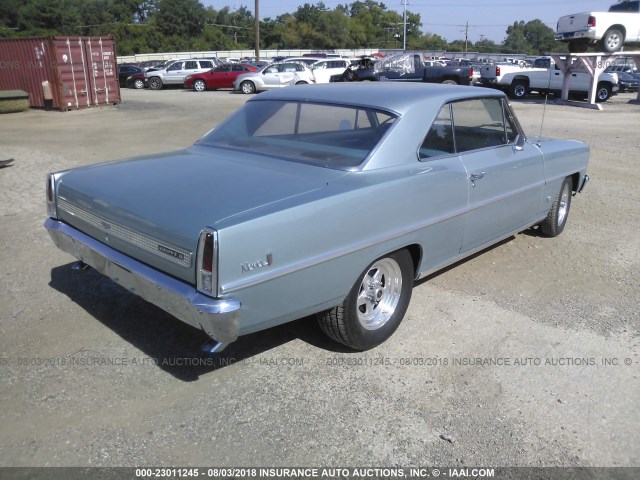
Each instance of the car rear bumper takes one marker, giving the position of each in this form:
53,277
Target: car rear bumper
219,318
580,34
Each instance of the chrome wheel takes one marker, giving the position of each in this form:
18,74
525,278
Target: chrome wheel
612,41
379,294
563,206
138,83
247,87
199,86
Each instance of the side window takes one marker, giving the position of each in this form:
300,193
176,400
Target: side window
239,68
190,65
478,123
439,139
206,64
174,67
272,69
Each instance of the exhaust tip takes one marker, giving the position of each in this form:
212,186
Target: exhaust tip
212,346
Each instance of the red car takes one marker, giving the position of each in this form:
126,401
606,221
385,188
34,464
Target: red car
219,77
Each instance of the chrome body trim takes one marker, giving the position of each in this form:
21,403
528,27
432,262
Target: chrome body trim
164,250
585,180
219,318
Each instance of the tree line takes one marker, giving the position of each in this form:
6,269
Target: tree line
151,26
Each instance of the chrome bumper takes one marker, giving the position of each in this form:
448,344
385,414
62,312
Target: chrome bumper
219,318
585,179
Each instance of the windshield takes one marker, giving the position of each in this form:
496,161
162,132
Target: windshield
333,136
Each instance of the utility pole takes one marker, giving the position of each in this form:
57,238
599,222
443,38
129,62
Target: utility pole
257,30
404,21
466,35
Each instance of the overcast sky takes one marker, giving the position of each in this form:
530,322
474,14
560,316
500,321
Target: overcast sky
487,18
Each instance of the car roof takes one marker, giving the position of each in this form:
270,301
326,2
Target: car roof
392,96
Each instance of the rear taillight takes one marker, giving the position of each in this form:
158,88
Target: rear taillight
51,196
591,22
497,71
470,73
207,263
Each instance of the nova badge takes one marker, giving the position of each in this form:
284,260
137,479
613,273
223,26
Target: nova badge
251,266
171,252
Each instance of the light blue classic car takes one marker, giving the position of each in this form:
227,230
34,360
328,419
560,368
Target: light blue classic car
320,199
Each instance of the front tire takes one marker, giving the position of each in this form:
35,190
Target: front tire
603,92
155,83
612,40
199,85
553,225
247,87
450,82
375,305
138,84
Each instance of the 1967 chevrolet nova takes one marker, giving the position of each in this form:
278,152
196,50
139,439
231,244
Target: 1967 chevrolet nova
324,199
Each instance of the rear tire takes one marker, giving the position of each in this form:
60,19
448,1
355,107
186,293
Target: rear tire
518,89
302,82
138,84
450,82
375,305
612,40
553,225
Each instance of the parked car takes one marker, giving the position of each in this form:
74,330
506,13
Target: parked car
137,80
545,77
324,69
219,77
276,75
319,199
360,70
409,67
612,30
176,72
125,71
147,64
627,82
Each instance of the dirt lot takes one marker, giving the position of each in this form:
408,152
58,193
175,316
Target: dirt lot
91,375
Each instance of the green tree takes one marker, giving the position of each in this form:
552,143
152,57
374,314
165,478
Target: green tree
516,42
540,37
178,22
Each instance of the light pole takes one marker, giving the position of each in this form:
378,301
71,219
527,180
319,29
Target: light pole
257,30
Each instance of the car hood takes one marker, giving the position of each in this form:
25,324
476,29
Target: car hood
172,197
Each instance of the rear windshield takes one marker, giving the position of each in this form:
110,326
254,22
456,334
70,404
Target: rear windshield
625,7
333,136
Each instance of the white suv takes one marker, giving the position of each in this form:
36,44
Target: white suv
176,72
324,69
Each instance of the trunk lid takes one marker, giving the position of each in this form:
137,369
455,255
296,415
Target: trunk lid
153,208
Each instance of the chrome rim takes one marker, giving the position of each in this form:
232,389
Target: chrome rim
564,204
379,294
154,83
139,84
603,94
199,85
613,41
519,91
247,87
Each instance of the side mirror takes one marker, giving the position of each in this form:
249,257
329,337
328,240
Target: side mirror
518,144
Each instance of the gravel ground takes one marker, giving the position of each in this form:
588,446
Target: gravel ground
91,375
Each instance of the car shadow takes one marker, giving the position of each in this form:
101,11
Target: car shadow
166,341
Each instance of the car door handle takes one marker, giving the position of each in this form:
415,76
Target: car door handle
475,176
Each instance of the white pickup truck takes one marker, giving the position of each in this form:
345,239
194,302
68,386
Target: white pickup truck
612,29
545,77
